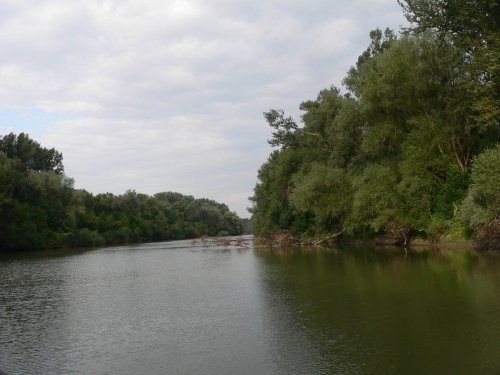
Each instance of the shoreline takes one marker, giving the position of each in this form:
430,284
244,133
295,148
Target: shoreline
286,239
416,243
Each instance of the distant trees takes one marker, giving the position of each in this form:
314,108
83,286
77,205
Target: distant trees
29,152
39,208
392,156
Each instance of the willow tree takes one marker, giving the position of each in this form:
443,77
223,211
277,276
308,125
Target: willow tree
472,26
481,208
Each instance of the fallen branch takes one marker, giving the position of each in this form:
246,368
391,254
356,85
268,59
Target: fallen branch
326,239
286,239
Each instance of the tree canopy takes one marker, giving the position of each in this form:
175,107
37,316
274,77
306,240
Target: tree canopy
39,207
393,156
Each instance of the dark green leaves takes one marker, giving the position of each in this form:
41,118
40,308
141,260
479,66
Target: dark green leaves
393,156
285,129
33,156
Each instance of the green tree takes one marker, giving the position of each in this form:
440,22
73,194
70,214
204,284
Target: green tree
481,207
392,157
270,206
325,194
473,27
285,134
379,41
33,156
34,196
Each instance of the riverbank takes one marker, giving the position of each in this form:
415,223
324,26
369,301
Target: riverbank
414,243
286,239
444,244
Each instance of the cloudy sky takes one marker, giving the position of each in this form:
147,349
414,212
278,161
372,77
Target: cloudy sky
168,95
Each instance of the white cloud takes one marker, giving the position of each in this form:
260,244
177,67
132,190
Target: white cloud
169,95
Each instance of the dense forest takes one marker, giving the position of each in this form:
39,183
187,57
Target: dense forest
410,147
39,207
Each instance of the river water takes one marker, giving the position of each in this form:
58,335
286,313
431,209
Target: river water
178,308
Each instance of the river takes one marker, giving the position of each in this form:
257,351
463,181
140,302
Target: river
179,308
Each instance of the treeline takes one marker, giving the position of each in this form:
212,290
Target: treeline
39,207
411,149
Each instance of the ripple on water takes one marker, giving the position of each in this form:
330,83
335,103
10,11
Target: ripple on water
174,308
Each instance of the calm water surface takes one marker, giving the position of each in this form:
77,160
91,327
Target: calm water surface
175,308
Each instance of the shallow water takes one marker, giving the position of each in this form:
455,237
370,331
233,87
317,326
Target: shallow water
175,308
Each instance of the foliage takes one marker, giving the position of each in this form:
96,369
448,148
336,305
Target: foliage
472,26
285,128
392,156
314,191
39,208
33,156
481,207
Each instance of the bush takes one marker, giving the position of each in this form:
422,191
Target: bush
85,238
481,206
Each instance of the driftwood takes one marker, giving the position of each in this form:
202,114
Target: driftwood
279,239
284,238
221,241
326,239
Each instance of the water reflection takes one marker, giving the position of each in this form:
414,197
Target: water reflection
182,309
383,311
154,309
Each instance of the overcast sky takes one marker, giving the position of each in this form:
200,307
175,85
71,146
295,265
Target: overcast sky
168,95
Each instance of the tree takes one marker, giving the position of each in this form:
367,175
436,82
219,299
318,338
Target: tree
481,207
379,41
270,207
285,134
325,193
393,156
32,155
471,21
39,207
318,118
473,27
378,203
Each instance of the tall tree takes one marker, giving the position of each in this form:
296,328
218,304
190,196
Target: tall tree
31,153
473,27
